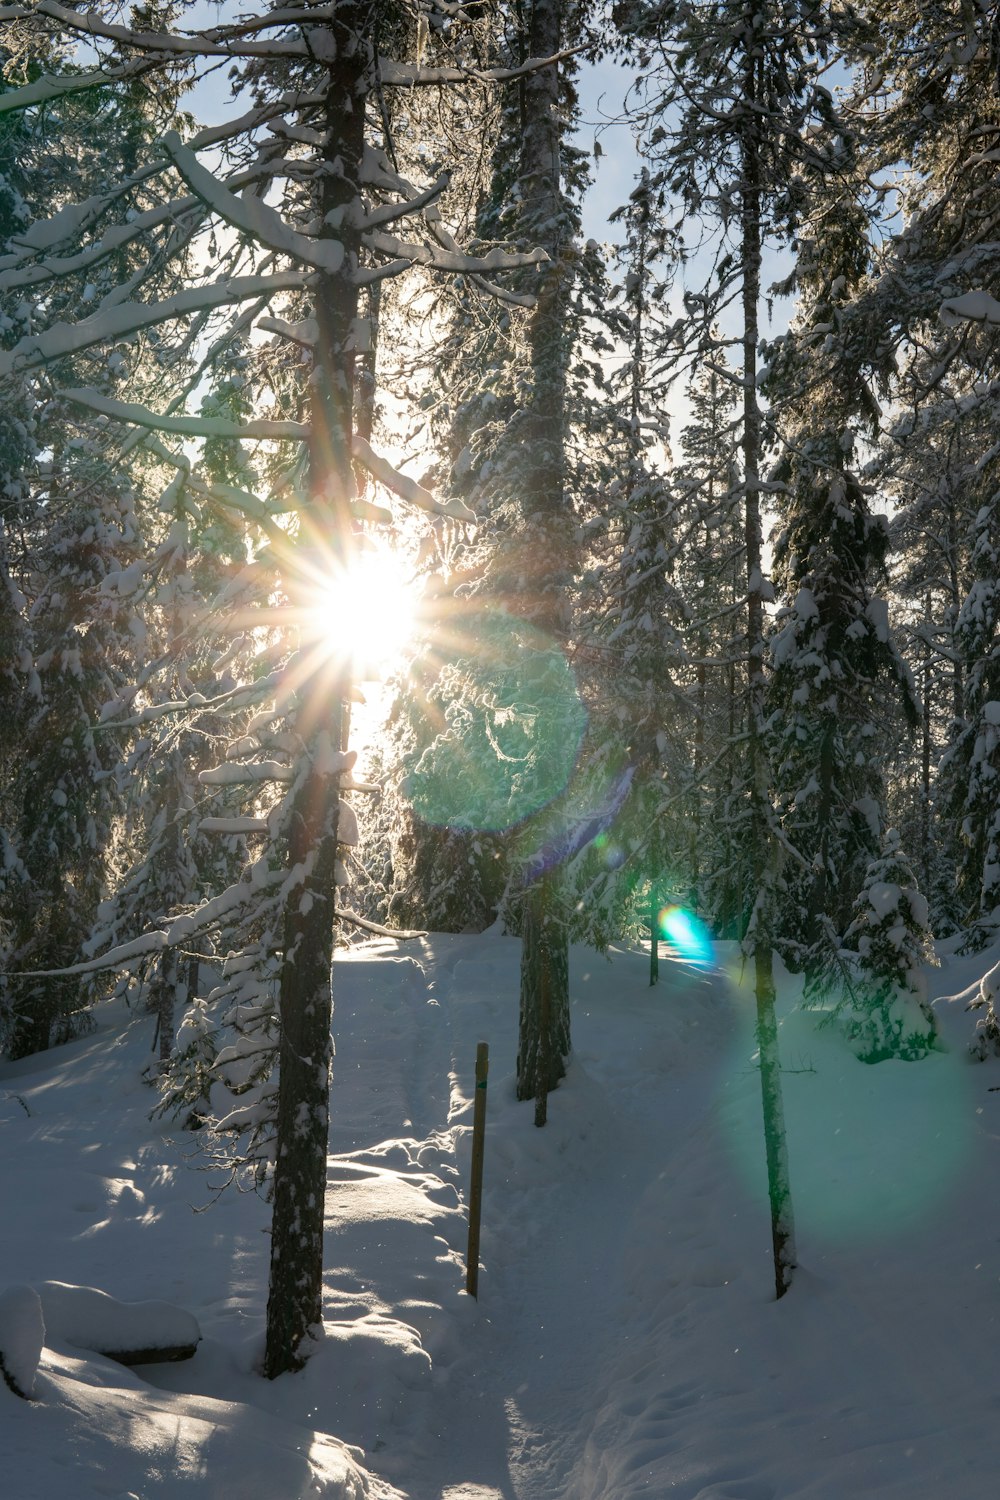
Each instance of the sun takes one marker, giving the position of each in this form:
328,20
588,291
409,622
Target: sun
366,612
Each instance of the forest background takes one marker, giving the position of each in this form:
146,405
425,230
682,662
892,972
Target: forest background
738,678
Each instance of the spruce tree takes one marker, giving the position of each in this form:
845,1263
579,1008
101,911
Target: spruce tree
313,215
730,104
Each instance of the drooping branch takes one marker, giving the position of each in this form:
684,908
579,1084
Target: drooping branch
181,426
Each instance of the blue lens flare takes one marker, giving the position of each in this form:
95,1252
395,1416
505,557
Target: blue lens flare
683,930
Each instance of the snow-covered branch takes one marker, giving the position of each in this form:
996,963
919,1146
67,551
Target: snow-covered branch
406,488
111,323
115,958
408,75
971,307
453,261
375,928
209,427
251,214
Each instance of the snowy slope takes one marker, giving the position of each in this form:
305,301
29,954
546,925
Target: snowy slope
625,1342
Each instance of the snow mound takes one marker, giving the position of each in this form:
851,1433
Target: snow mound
133,1333
99,1431
22,1333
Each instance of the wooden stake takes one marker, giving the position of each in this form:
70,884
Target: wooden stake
476,1189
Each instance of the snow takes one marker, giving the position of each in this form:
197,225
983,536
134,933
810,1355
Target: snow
625,1344
89,1318
974,307
22,1334
250,214
408,489
118,321
218,427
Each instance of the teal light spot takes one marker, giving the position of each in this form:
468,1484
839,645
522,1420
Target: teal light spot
511,733
687,934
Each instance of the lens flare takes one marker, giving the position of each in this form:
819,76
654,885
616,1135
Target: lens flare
683,931
510,735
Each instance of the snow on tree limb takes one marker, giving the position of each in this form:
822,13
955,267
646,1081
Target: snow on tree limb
971,307
159,43
407,76
210,427
224,905
405,487
304,333
454,261
233,825
388,212
115,958
251,214
110,323
375,928
242,775
444,237
47,89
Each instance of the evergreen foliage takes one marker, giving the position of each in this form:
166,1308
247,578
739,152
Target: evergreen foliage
890,936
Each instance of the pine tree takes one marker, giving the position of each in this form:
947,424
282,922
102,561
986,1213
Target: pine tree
835,662
338,202
730,102
709,573
889,933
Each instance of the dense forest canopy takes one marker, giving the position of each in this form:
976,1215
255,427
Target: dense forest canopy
741,667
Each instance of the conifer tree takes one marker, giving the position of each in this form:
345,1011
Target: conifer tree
312,209
834,657
731,105
891,1016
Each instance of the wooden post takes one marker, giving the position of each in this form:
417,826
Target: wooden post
476,1189
654,933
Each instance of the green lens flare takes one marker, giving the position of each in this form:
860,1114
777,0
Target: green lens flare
691,938
874,1151
512,730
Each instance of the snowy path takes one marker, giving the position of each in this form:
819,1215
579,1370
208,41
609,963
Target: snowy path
522,1411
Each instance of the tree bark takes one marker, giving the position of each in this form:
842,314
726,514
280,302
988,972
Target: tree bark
544,1022
779,1188
544,1026
294,1305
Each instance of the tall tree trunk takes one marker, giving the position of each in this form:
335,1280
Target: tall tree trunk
306,994
779,1190
544,1019
544,1025
926,791
820,886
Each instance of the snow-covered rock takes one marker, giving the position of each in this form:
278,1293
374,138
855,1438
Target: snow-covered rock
134,1333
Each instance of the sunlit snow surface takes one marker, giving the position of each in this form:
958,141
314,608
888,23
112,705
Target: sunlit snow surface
625,1345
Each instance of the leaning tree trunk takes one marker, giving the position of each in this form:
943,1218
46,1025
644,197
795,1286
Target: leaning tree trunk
306,997
544,1026
779,1190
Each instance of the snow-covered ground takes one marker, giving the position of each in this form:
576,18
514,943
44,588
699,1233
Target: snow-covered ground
625,1342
